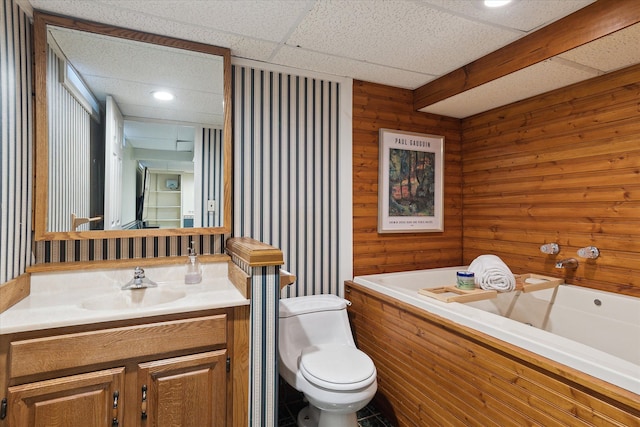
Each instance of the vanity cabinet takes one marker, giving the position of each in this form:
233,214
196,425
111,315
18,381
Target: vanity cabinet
168,371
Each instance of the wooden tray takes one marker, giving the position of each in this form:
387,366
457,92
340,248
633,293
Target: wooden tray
453,294
544,282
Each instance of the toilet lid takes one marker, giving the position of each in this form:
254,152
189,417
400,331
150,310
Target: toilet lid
337,367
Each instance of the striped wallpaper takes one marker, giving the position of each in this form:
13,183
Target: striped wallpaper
126,248
263,355
69,152
16,153
208,152
287,176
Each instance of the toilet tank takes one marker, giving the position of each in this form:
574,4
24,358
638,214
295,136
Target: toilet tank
313,320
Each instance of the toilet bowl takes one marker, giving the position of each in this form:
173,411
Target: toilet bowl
318,357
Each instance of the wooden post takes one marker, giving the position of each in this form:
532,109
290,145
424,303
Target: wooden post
261,262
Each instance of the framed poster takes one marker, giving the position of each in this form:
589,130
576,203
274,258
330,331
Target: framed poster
410,182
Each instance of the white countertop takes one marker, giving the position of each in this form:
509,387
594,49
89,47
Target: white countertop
71,298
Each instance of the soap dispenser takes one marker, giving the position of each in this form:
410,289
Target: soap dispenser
194,273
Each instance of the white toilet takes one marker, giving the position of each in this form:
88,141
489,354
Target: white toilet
318,357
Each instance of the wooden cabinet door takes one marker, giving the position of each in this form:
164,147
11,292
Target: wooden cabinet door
87,400
187,391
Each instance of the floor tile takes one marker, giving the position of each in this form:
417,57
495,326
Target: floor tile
291,402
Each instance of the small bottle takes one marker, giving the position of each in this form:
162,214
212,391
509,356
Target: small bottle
194,273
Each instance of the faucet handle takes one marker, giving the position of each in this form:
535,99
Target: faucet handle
139,281
589,252
550,248
138,273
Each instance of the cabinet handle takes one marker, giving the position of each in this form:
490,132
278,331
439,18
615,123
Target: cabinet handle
3,409
114,411
143,415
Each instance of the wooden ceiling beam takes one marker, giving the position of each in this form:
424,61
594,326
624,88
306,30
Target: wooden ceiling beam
583,26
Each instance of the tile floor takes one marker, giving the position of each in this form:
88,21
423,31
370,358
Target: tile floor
291,403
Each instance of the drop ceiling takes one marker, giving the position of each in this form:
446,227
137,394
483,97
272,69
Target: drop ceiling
404,44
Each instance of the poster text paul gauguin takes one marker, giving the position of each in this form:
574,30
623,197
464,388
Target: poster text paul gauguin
412,142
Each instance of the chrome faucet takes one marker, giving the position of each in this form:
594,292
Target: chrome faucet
568,263
139,281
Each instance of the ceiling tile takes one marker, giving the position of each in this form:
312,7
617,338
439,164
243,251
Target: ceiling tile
520,15
268,20
371,72
110,12
400,34
613,52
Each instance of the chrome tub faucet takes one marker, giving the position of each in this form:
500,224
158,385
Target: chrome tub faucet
568,263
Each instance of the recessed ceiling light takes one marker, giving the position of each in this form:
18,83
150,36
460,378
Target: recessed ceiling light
496,3
163,95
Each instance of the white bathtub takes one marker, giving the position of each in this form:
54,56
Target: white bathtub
600,338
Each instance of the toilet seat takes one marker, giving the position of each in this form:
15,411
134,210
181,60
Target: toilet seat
337,367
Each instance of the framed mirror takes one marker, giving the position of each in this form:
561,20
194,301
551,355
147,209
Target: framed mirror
111,160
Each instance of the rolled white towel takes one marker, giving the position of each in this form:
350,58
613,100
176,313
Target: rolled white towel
491,273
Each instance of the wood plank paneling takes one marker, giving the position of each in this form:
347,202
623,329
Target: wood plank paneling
561,167
377,106
434,372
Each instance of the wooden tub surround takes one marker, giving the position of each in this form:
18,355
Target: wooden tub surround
434,372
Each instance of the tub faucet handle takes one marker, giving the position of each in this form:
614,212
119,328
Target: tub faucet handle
589,252
550,248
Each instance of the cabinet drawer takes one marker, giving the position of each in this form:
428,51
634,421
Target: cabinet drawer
39,355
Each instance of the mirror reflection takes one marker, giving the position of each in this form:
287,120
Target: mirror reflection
135,134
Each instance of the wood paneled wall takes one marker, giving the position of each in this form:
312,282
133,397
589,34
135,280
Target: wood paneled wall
561,167
376,106
433,372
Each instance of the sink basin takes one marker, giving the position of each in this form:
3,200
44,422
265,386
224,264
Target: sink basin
134,298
